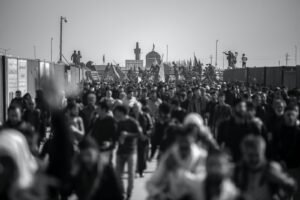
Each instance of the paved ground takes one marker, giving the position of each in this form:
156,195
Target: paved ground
139,191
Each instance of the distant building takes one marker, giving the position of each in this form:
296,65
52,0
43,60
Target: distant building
100,69
134,64
137,52
137,63
152,58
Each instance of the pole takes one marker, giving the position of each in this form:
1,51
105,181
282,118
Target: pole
296,54
216,53
286,59
167,53
51,48
60,40
34,52
223,61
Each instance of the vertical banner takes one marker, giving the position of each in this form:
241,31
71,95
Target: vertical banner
42,69
69,76
47,69
12,78
162,72
22,76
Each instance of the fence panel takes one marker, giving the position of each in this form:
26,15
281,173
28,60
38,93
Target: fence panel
274,76
2,97
33,81
289,79
235,75
256,75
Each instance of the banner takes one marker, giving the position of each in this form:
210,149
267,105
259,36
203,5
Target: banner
12,78
162,72
22,76
42,69
47,69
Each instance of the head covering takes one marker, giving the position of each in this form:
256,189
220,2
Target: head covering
195,119
14,144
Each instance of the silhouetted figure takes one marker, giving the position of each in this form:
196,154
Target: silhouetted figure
74,57
244,60
229,55
78,58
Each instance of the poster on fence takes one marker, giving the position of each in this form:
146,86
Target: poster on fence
12,78
22,76
42,69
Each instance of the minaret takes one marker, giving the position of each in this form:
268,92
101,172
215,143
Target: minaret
137,52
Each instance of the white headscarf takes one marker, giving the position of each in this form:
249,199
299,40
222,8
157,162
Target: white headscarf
14,144
196,119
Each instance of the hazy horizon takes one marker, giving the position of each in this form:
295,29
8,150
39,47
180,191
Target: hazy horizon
263,29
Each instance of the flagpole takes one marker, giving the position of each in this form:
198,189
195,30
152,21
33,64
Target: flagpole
216,53
167,53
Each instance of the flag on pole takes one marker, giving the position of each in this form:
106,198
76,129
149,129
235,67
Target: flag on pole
103,58
162,72
195,61
115,72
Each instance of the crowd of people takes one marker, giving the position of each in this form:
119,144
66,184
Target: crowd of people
220,141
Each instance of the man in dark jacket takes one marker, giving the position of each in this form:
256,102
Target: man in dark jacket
93,177
89,111
104,130
129,131
258,178
289,140
232,131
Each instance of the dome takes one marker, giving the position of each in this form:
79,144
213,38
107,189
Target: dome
152,57
153,54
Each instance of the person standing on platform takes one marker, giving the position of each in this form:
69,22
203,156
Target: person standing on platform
244,61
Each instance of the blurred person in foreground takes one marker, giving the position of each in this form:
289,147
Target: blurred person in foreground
92,176
75,123
258,178
14,118
183,160
19,177
289,143
218,184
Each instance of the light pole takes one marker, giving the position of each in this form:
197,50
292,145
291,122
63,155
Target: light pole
62,19
34,51
216,53
51,49
296,54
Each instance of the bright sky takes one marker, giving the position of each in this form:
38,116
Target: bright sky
263,29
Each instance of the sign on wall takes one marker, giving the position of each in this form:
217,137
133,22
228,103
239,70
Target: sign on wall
44,69
12,78
22,76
